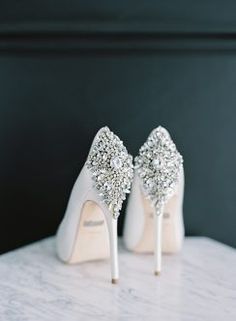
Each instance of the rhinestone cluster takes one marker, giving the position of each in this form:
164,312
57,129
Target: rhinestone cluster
112,169
159,165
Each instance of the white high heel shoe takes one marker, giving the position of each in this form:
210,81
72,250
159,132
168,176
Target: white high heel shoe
154,216
88,230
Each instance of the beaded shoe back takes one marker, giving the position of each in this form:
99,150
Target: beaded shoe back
111,168
159,165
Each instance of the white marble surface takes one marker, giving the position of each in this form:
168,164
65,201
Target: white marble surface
197,284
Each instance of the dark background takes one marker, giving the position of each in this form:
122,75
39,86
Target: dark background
69,67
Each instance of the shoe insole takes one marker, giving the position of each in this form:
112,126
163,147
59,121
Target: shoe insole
92,241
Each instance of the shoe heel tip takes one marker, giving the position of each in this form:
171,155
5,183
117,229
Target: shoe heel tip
157,273
114,281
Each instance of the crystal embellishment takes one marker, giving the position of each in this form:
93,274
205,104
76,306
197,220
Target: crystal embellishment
116,162
112,169
159,166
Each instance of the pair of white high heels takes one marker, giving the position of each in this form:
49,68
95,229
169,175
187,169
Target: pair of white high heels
153,221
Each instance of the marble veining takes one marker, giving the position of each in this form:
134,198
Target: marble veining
197,284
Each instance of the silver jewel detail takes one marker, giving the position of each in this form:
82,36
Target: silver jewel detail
112,169
159,166
157,163
116,162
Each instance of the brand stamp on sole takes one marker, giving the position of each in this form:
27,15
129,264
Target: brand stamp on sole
93,223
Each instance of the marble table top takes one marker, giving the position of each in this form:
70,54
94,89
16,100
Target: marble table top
197,284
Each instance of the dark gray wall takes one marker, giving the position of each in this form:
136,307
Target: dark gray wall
65,75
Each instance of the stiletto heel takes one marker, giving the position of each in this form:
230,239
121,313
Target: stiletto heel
154,216
157,243
112,222
88,230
